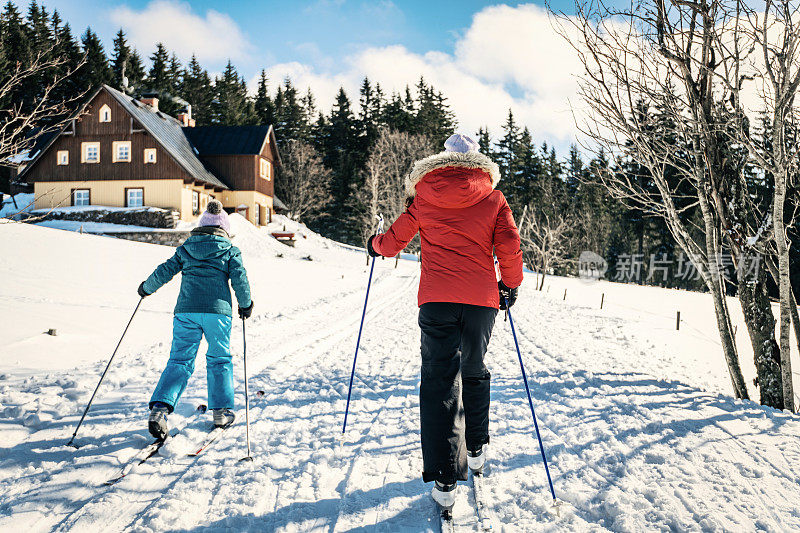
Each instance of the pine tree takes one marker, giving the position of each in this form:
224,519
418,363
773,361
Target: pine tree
290,117
340,140
158,78
434,117
368,116
127,62
527,169
505,157
231,106
196,88
263,106
485,142
68,49
39,34
96,71
395,114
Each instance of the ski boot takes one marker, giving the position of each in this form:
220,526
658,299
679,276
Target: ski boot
157,422
223,417
476,460
444,495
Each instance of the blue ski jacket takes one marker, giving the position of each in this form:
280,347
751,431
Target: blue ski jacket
207,260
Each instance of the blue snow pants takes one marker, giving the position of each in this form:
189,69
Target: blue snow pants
187,331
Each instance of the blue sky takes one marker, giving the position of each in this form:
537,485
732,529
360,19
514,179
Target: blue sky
486,56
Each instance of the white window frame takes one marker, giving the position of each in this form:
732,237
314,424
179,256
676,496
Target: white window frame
85,146
195,202
62,157
257,216
116,146
265,169
128,196
105,113
147,153
75,197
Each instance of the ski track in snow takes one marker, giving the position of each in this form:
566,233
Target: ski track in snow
628,450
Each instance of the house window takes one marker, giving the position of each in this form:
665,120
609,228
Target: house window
134,197
258,215
81,197
90,152
149,155
264,170
62,157
195,202
105,113
122,151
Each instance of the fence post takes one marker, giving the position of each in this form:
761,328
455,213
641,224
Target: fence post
565,295
602,299
678,321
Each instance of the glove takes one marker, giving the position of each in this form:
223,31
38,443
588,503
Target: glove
507,295
245,312
370,250
143,293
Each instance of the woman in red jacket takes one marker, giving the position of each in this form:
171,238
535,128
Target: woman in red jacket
463,223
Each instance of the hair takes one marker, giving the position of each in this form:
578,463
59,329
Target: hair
214,207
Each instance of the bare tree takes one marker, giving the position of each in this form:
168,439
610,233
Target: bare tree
22,123
649,86
390,160
770,40
545,239
304,184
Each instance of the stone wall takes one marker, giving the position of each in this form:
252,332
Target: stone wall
149,217
167,238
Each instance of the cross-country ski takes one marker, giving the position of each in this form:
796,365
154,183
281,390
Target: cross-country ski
150,450
423,266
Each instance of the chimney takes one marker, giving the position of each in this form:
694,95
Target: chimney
150,100
185,116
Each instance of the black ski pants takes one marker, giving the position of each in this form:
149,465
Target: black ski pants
454,389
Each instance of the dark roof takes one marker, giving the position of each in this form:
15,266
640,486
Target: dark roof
168,132
41,141
277,204
228,140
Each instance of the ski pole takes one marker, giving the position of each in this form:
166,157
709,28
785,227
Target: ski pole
530,403
360,329
246,394
104,374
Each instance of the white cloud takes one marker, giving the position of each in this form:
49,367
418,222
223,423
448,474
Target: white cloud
213,37
509,57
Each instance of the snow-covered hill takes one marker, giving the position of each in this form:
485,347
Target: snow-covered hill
640,431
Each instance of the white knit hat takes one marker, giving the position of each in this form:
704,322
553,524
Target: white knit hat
461,144
215,216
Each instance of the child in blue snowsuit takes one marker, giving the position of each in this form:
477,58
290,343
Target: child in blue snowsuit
207,260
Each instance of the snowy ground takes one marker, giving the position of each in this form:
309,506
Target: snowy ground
636,417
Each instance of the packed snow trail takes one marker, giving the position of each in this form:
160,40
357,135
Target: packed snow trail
629,450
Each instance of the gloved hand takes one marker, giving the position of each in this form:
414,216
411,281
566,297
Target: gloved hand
507,295
142,293
370,250
245,312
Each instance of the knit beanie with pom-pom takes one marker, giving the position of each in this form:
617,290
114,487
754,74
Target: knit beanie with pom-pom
214,215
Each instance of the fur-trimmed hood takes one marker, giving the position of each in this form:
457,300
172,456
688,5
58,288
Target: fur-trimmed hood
468,160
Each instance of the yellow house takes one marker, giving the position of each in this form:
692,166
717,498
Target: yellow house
122,152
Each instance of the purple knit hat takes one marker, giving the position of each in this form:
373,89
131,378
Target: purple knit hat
215,216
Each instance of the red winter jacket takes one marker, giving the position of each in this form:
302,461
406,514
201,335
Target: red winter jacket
462,221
